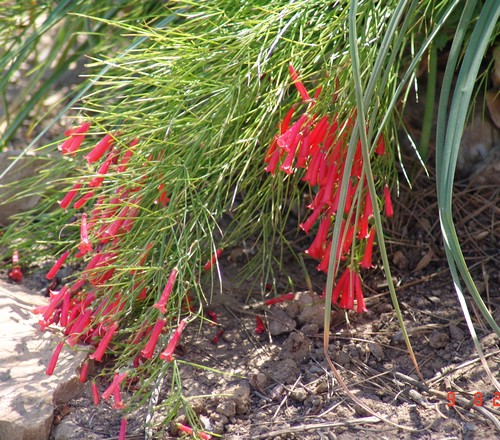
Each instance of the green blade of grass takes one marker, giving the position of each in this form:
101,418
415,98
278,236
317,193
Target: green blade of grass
449,134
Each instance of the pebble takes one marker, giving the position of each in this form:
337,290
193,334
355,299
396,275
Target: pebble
376,350
227,408
285,371
341,358
296,347
280,323
438,339
259,381
299,394
456,333
240,395
311,329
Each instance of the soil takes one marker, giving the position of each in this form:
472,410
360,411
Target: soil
278,384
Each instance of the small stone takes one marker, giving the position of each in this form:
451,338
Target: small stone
292,309
400,260
311,329
321,387
218,421
227,408
297,347
240,394
456,333
280,323
438,339
341,358
259,381
285,371
299,394
376,350
69,431
313,314
360,411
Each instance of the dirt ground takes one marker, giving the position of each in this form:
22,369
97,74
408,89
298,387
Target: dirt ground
278,384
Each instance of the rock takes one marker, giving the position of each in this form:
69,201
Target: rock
299,394
259,381
310,329
27,166
240,395
438,339
312,309
285,371
456,333
70,431
296,347
376,350
27,394
227,408
280,323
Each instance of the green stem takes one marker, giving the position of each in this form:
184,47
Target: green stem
429,104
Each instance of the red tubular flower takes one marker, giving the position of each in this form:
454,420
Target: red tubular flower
347,296
95,394
389,211
117,399
53,359
85,245
161,304
340,287
189,430
319,244
367,257
16,274
76,137
298,84
78,327
68,198
359,295
280,299
126,156
79,203
380,149
123,429
63,320
95,182
304,149
84,371
168,354
259,325
54,303
273,161
319,131
117,380
100,148
149,349
103,345
307,225
290,138
285,123
208,265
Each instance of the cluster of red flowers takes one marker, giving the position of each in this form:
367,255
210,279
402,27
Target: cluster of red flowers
319,146
86,309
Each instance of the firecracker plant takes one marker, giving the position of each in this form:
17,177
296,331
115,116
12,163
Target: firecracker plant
200,113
